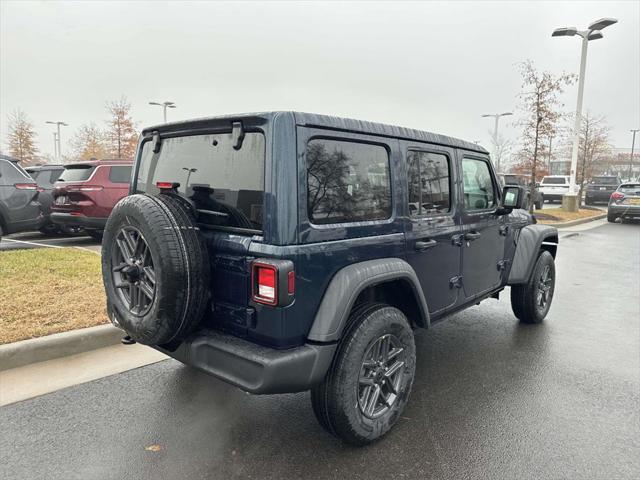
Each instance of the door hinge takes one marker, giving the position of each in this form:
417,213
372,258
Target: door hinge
503,264
457,240
455,282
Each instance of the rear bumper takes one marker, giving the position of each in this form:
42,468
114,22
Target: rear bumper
597,196
78,220
553,196
628,211
254,368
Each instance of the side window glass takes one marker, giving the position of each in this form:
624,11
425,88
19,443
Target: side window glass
120,174
479,191
429,180
347,182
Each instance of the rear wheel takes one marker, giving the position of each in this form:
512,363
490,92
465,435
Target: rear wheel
611,217
369,382
531,302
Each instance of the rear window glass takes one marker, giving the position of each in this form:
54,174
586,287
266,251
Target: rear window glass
45,177
10,172
605,180
554,181
76,173
514,180
630,188
120,174
226,185
347,182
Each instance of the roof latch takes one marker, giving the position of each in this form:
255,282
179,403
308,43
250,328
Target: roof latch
238,135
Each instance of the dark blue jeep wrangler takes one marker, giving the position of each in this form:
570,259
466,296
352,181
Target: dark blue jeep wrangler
285,251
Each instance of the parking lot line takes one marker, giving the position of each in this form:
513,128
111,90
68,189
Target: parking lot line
37,244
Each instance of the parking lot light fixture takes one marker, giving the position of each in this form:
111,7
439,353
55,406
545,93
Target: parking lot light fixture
58,153
164,106
593,32
496,116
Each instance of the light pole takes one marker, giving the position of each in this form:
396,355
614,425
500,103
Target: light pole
591,33
164,106
633,144
59,152
495,134
55,145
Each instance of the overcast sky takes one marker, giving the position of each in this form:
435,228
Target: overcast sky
435,66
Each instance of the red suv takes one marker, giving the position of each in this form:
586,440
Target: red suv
86,192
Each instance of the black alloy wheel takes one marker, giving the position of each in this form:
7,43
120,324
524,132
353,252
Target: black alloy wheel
381,376
133,272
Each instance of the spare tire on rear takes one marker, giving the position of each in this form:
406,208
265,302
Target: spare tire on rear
155,268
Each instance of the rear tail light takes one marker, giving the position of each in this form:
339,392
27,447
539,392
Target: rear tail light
26,186
615,196
167,185
272,282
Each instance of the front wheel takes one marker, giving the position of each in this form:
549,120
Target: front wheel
531,302
369,382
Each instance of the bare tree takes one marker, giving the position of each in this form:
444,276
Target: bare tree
21,138
89,142
540,106
121,135
593,146
502,148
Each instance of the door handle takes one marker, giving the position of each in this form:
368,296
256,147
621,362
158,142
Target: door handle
471,236
421,245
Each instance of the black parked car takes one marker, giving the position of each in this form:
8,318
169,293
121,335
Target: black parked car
624,202
600,188
45,176
19,205
286,251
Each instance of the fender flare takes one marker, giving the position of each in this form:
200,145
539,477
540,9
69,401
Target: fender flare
530,240
348,283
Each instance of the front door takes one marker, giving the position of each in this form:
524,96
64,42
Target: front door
483,240
433,222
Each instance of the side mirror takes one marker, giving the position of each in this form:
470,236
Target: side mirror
512,198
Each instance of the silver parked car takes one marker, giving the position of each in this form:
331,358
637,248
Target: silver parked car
625,202
19,206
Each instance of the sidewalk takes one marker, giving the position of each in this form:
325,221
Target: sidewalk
36,379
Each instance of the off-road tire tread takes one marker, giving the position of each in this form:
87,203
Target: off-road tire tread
523,297
327,398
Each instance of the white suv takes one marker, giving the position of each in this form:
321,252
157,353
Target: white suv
553,187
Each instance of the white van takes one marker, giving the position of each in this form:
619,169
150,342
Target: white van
553,187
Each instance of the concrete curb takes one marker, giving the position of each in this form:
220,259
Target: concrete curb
58,345
572,223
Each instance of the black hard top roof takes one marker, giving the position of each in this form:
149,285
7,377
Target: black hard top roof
332,122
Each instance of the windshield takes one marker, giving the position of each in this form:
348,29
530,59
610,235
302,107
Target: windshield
227,185
76,173
605,180
554,181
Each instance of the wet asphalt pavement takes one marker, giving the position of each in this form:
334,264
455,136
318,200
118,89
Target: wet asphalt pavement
492,399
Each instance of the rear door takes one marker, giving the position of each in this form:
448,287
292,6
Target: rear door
483,239
433,223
